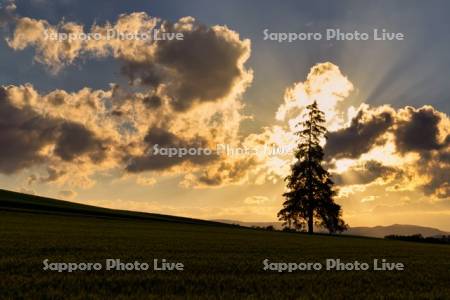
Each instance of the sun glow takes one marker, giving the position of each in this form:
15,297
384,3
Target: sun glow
343,165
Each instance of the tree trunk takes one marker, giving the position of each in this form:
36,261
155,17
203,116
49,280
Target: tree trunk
311,221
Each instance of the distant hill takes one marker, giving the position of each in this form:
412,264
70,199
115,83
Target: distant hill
377,231
397,229
13,201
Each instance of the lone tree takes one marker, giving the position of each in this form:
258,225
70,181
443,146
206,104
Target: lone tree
309,199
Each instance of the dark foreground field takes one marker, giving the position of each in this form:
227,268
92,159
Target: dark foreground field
220,261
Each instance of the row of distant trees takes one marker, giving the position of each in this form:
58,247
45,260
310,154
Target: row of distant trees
444,239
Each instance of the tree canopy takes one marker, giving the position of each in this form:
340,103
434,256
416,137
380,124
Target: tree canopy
309,196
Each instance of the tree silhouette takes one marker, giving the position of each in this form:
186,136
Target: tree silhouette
309,196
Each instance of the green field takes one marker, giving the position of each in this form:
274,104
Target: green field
220,261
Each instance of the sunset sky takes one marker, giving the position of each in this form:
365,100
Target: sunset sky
79,119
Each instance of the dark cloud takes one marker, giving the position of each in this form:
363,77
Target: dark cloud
167,140
363,133
227,172
24,133
439,184
414,130
152,102
75,140
420,131
444,156
204,66
52,175
365,174
143,73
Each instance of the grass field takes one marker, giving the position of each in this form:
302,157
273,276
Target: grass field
220,261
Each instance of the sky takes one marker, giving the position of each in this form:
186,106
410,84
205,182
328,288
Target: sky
81,120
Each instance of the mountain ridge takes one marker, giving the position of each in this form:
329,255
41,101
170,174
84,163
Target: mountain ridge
378,231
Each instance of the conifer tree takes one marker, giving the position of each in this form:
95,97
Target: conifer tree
309,196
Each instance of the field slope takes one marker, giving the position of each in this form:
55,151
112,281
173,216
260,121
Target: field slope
220,261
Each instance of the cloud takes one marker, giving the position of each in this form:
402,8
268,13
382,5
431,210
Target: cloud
404,149
23,134
188,94
67,194
145,181
206,65
439,185
53,174
421,130
56,55
54,48
256,200
369,199
78,119
365,131
229,170
324,84
75,140
365,173
163,139
36,139
426,131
